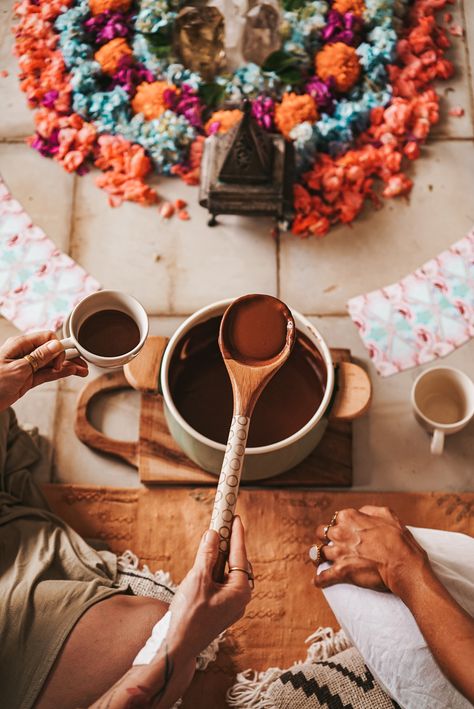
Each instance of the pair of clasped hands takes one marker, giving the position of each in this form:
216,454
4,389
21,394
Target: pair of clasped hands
365,543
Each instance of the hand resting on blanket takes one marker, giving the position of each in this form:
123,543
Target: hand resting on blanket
372,548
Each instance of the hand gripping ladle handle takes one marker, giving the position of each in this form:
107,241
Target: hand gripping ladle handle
228,489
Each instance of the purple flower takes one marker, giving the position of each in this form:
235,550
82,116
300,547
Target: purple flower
83,169
340,28
49,98
263,109
188,104
213,128
130,74
47,147
108,25
322,92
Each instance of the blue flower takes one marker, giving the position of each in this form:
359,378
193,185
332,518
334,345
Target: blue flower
166,139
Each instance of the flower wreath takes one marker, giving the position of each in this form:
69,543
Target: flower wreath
350,86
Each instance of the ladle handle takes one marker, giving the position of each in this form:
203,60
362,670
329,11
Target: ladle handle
228,489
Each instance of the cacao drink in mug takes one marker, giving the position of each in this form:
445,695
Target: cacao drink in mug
107,328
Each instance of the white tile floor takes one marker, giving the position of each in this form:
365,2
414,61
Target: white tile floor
175,267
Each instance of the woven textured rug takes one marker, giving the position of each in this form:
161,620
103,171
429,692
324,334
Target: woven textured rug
163,527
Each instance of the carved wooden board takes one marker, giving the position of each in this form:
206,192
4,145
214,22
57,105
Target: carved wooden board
160,460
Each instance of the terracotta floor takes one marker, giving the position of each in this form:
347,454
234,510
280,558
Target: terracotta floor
175,267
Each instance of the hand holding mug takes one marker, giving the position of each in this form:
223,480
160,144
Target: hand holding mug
29,360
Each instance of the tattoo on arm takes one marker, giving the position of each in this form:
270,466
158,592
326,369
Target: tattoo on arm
141,696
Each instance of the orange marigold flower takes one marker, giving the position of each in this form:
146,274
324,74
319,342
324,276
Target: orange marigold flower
125,166
294,110
355,6
150,99
222,121
190,172
98,6
339,61
110,54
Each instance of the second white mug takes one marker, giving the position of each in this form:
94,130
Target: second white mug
443,403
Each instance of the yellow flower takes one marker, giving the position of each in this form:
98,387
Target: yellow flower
98,6
150,98
339,61
110,54
225,119
355,6
293,110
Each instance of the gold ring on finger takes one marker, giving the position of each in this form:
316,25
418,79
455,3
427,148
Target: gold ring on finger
315,553
325,532
333,521
248,572
32,361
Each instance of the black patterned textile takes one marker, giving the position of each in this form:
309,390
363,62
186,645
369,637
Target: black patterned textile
342,682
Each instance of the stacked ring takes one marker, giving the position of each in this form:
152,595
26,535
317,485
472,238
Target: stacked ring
315,553
249,573
32,361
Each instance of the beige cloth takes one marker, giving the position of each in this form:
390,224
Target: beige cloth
48,574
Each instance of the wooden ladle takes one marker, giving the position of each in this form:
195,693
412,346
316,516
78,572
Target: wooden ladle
256,336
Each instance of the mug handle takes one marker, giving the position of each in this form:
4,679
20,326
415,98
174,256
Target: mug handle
70,348
437,442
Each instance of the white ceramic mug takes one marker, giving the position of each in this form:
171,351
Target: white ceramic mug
104,300
443,403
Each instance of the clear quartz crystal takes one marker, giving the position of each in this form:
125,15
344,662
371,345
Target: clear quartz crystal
218,34
251,30
199,39
233,12
262,32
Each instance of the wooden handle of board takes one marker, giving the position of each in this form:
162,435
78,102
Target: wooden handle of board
354,392
85,431
143,372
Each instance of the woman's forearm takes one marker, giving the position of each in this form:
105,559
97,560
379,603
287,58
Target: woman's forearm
446,627
156,685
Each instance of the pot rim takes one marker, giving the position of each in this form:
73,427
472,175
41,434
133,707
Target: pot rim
218,308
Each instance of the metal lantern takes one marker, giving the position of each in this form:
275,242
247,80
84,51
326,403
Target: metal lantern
246,171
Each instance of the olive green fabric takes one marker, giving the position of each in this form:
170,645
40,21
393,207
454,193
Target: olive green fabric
48,574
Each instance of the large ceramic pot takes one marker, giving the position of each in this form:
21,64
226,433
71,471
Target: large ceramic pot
260,462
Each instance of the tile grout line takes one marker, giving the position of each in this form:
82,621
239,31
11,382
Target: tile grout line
72,215
467,54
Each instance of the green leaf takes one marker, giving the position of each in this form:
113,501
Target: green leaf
278,61
286,66
160,43
291,76
212,94
291,5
